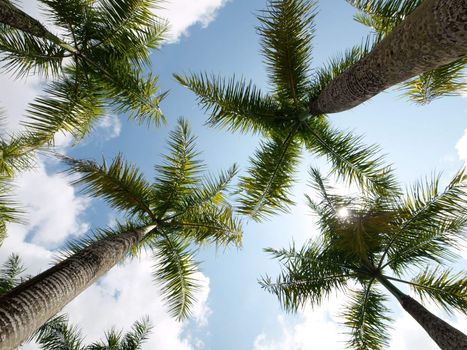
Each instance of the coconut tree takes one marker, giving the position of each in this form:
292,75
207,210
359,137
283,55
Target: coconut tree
427,35
168,217
96,63
282,116
57,334
372,243
382,16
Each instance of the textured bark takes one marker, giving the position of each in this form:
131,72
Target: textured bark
446,336
433,35
14,17
31,304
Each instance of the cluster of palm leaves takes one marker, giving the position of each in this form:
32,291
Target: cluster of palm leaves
98,63
181,207
58,334
379,240
287,31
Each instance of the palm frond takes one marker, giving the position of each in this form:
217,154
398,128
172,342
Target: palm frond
212,190
24,54
211,224
130,26
121,184
447,80
287,30
236,105
383,15
10,273
57,334
9,211
17,152
430,223
138,335
269,180
445,288
174,271
129,91
69,105
308,275
180,172
352,160
367,317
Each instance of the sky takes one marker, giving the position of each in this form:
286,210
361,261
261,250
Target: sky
232,312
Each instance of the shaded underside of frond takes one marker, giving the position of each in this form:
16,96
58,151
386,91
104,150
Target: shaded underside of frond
287,30
236,105
266,188
175,271
351,159
308,275
430,224
121,184
367,318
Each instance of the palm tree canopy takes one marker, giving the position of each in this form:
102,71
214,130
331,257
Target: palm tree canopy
369,239
382,16
184,207
287,30
97,66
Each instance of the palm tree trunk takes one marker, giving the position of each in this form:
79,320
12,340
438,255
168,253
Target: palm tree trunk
16,18
31,304
433,35
446,336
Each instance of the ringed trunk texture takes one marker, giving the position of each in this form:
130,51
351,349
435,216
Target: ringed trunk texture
433,35
31,304
14,17
446,336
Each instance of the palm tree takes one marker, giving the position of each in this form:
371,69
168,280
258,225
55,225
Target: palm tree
432,35
57,334
97,63
286,30
382,16
372,242
179,210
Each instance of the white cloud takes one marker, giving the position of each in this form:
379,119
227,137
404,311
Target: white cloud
182,14
461,147
109,127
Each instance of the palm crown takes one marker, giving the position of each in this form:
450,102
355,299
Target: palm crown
382,16
179,209
286,30
98,63
379,240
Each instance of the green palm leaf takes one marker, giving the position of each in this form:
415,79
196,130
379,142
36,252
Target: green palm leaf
235,105
10,273
269,180
367,318
287,30
56,334
121,184
443,287
175,271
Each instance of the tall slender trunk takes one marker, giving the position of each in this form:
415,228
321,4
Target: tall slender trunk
16,18
433,35
446,336
31,304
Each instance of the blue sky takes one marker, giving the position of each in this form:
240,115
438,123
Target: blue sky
234,313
